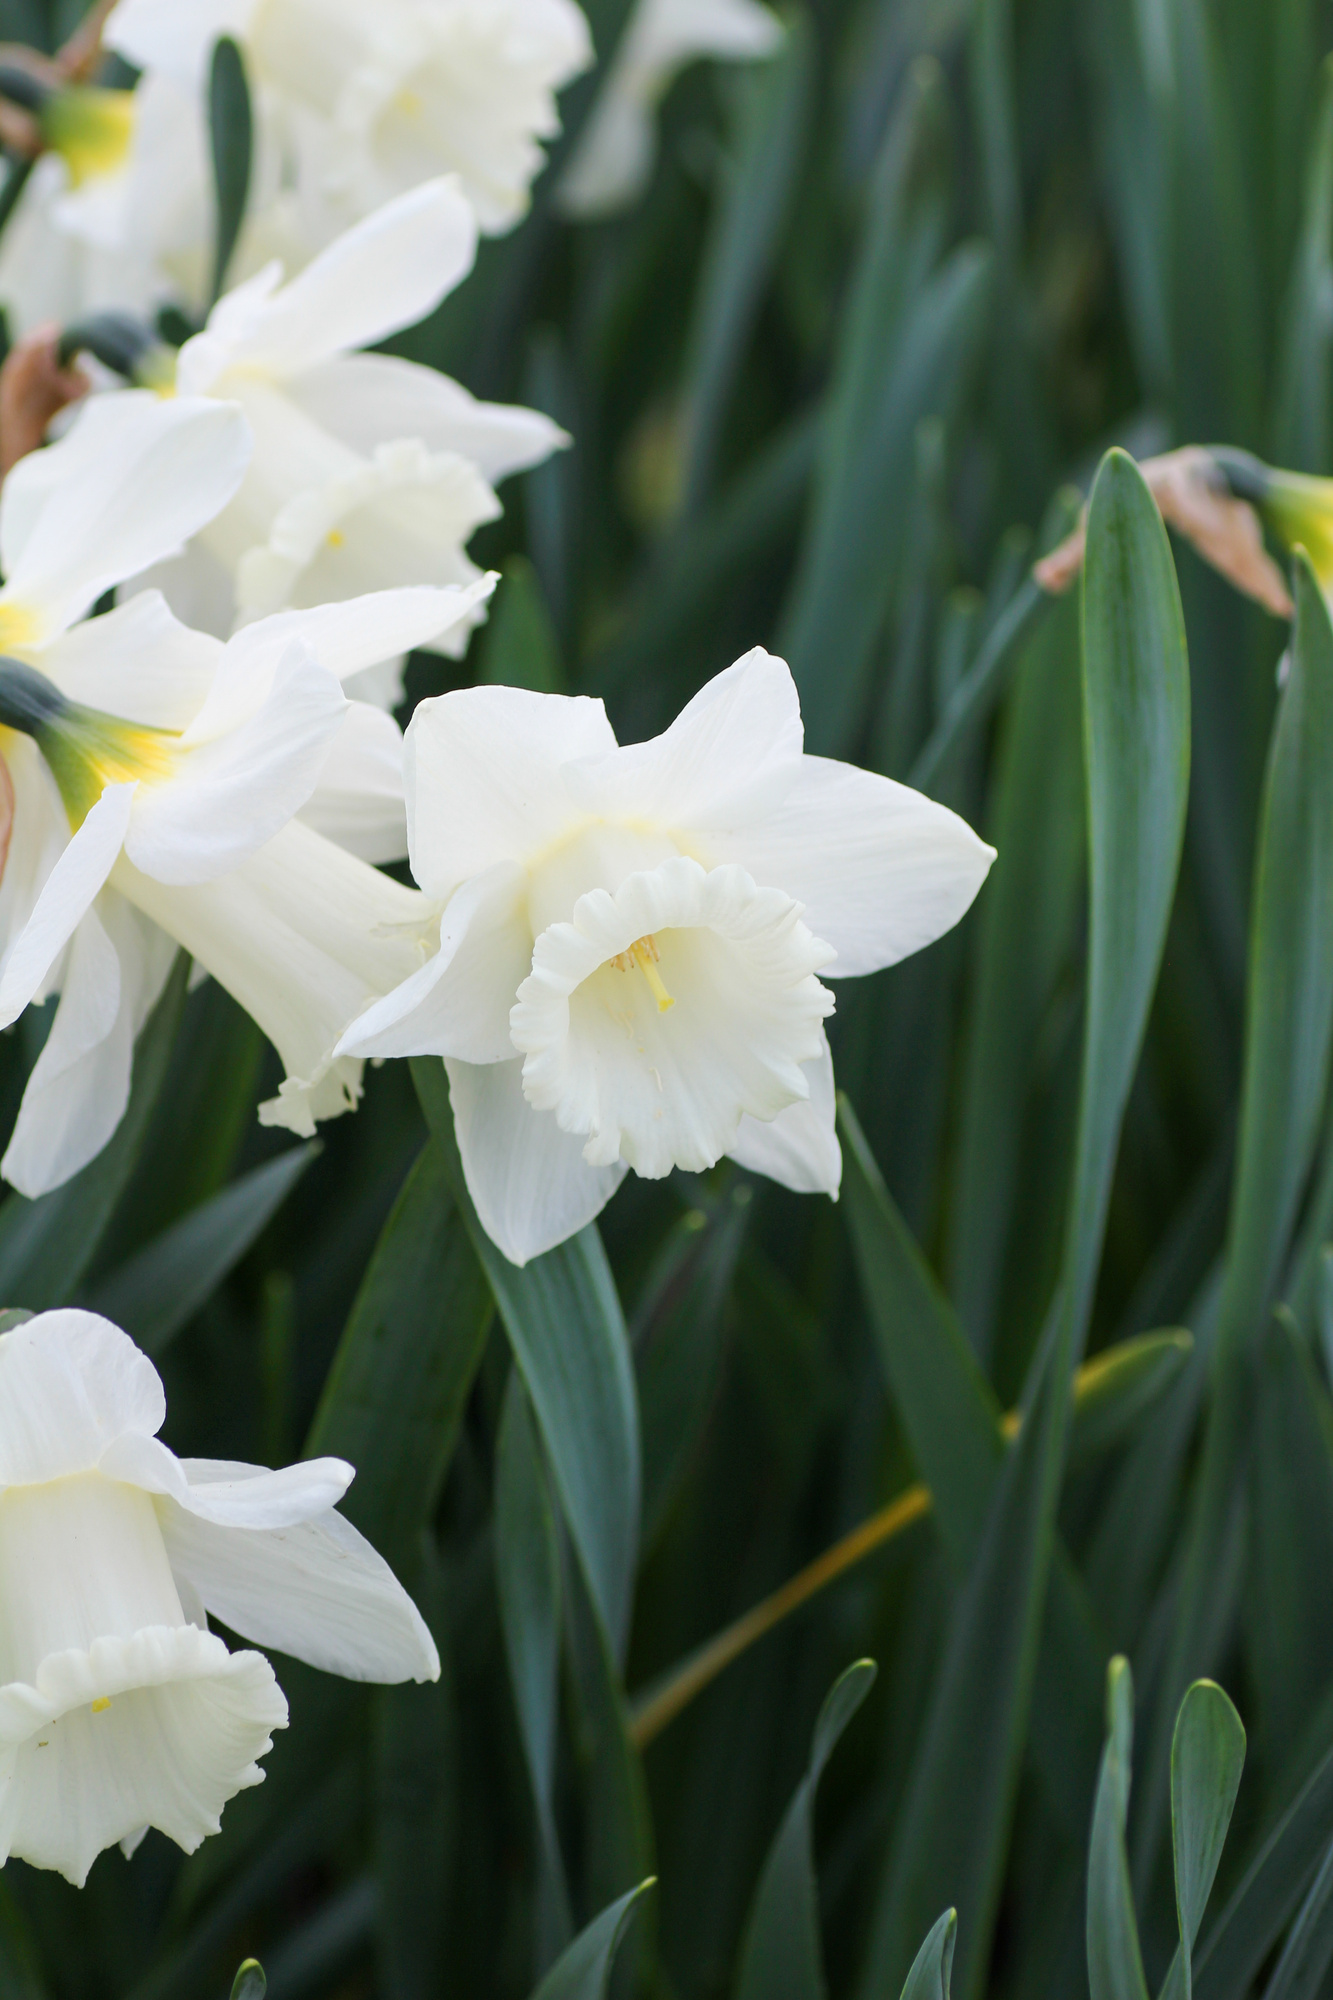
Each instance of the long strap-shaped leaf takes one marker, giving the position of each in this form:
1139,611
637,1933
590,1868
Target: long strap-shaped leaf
567,1331
781,1958
527,1567
1115,1963
583,1972
400,1378
951,1837
1289,1018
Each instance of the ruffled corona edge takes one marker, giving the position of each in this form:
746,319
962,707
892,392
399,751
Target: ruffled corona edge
160,1729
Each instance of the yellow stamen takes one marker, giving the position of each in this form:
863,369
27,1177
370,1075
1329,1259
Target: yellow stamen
335,538
102,1704
643,953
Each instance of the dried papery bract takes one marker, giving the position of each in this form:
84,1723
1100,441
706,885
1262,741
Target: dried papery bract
1195,498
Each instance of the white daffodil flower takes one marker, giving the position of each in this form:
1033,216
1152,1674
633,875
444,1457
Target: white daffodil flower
368,472
119,1709
156,779
614,156
631,938
397,91
124,224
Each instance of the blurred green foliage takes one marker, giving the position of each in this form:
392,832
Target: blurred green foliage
885,299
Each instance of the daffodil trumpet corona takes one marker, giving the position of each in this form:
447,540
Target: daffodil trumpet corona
165,789
119,1709
633,945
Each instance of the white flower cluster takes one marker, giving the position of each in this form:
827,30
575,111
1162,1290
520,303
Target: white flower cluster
212,581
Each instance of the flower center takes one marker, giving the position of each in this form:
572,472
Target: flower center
659,1072
644,954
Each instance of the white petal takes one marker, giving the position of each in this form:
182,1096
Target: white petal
118,964
661,1078
136,477
317,1591
228,797
730,755
163,34
183,1725
304,936
360,632
882,870
529,1182
199,589
137,662
799,1148
70,1384
80,1084
458,1003
69,890
359,798
229,1495
365,398
38,837
483,775
385,273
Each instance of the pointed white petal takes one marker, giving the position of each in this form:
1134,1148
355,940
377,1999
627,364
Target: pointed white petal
458,1003
483,775
359,632
882,871
69,890
117,966
70,1384
137,662
317,1591
365,398
385,273
38,837
530,1184
228,797
730,755
135,478
229,1495
799,1148
80,1084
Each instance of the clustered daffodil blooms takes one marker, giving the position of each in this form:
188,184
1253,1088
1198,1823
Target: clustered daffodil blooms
372,99
368,472
119,1709
632,938
166,789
